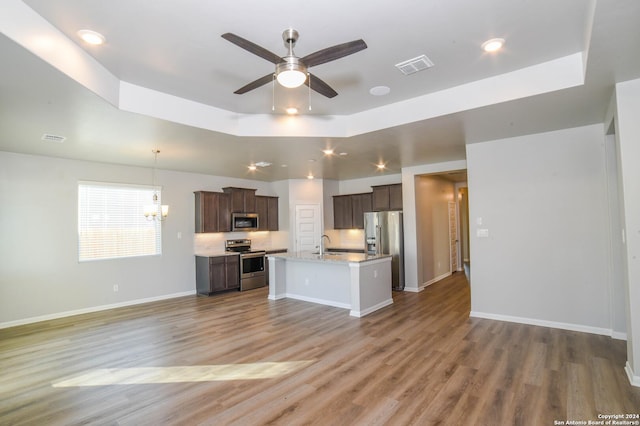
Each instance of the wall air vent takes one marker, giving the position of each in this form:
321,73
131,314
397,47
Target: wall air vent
53,138
414,65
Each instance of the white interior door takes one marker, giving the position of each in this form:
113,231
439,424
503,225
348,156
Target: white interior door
307,227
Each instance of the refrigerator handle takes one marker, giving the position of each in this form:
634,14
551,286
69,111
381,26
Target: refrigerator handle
378,239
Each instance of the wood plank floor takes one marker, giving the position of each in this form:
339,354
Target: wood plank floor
421,361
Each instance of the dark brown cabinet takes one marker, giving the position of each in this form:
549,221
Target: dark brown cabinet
342,212
243,200
213,209
212,212
267,209
218,273
361,203
272,214
387,197
348,210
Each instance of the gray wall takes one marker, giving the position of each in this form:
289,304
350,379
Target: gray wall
627,111
543,200
40,275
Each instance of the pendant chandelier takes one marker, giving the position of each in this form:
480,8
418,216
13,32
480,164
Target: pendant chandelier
155,211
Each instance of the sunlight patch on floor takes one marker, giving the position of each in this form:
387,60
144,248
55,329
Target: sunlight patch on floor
180,374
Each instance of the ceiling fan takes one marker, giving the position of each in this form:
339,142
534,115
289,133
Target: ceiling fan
291,71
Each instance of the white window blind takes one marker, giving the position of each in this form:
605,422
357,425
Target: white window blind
111,222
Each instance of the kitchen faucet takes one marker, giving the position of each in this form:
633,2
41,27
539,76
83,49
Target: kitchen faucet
322,243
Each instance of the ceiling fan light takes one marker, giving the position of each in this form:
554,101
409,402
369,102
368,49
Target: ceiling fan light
291,73
291,78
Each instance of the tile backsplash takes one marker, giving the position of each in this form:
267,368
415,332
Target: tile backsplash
212,243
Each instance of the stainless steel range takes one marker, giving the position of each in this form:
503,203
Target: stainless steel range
252,273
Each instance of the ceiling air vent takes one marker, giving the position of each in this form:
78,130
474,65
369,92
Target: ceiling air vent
53,138
414,65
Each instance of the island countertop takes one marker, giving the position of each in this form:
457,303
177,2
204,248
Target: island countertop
306,256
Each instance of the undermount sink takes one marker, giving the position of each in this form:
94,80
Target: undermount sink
328,253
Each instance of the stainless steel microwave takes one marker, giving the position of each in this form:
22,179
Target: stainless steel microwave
244,221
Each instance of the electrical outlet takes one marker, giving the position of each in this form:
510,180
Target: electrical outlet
375,273
115,287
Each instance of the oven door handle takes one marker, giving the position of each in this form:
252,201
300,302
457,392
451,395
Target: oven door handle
251,255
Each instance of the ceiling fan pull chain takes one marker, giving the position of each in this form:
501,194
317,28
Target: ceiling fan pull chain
273,93
309,78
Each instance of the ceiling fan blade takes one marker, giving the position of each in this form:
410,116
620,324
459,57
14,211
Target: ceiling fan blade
320,86
252,47
254,84
334,52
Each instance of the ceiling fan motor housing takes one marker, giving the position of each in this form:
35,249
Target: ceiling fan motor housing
290,36
291,63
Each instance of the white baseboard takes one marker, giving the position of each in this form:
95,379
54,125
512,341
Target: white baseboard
427,284
435,280
618,335
367,311
544,323
93,309
633,378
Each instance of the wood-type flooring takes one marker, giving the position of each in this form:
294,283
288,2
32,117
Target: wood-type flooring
238,358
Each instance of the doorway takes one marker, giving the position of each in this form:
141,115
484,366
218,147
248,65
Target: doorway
307,227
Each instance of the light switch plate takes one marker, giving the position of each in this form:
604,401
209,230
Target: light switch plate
482,233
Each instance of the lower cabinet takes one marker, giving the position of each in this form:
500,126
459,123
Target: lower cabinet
218,273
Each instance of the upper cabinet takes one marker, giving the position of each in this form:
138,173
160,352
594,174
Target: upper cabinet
272,214
348,210
212,212
213,209
267,209
243,200
387,197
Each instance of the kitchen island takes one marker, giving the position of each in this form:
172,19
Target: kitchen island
354,281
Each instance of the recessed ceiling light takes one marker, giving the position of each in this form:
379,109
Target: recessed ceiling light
379,90
310,176
252,167
292,110
263,164
343,154
284,165
493,45
311,160
381,166
328,151
91,37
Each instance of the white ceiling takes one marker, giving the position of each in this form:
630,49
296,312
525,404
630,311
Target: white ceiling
165,79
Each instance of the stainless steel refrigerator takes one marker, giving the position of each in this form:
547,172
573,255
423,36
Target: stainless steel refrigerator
383,234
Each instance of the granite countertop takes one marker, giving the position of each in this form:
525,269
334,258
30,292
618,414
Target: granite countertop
345,249
275,250
216,253
331,257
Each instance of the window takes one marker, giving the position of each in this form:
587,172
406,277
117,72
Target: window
111,223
